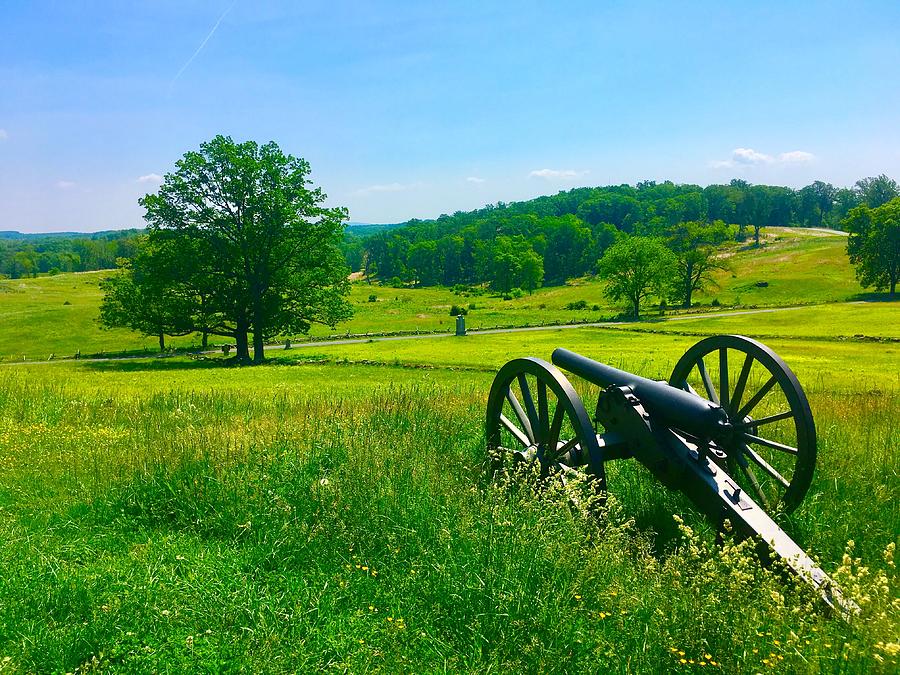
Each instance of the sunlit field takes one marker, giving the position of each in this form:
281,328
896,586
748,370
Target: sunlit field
58,315
331,510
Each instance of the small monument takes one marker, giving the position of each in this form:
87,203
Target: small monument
460,325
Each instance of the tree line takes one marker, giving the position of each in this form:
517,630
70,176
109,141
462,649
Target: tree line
26,256
547,240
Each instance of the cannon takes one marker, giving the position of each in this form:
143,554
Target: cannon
731,429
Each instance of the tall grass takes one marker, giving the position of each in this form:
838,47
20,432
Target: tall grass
270,530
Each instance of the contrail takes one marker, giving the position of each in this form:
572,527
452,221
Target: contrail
202,45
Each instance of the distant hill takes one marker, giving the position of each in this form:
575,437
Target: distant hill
34,236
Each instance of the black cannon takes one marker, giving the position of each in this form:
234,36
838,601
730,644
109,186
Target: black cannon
731,429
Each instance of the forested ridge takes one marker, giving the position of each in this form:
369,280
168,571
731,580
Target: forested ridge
24,255
550,239
542,241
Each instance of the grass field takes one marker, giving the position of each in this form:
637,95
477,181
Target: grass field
799,266
318,513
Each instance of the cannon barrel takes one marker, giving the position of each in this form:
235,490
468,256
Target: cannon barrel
666,404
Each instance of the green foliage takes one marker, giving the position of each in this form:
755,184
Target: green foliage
874,192
873,244
569,231
29,255
635,268
696,245
263,251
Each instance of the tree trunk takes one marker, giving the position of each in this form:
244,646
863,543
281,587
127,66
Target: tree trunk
240,336
689,285
204,342
259,353
162,342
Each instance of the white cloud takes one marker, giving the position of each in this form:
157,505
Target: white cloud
556,174
65,184
475,179
747,157
796,157
3,135
388,187
150,178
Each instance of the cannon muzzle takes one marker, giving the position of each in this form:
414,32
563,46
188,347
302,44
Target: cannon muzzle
672,407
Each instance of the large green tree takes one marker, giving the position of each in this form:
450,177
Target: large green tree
636,268
873,244
148,295
261,247
877,190
696,248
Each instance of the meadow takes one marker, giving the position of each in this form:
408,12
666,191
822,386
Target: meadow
331,510
58,315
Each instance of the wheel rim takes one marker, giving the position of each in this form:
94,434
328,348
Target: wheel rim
771,451
534,414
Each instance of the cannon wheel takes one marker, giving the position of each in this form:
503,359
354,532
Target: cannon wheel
772,453
534,413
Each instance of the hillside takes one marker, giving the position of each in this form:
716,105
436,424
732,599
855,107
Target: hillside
798,267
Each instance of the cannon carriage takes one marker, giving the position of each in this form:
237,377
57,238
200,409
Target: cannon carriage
731,429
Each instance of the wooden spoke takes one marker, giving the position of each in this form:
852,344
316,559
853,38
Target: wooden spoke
765,466
543,413
545,407
787,414
556,425
771,444
564,448
741,384
744,448
707,382
529,403
523,418
754,482
723,377
757,397
515,431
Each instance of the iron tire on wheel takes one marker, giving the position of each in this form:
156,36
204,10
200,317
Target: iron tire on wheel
535,426
747,451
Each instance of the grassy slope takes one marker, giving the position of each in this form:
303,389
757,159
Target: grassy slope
800,267
35,321
178,515
831,321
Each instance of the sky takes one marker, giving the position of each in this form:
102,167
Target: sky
413,109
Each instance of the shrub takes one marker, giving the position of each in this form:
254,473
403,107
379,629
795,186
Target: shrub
456,310
373,298
472,306
578,304
397,282
715,302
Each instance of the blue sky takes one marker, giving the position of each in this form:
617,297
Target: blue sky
416,109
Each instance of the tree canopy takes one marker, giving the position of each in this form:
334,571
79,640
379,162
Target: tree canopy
873,244
635,268
570,231
244,245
